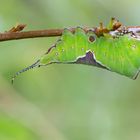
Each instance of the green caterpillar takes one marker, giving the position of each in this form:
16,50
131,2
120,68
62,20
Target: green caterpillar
115,48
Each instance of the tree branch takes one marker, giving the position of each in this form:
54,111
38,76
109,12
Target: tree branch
30,34
17,33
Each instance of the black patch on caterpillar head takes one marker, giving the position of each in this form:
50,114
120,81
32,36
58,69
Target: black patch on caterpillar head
89,59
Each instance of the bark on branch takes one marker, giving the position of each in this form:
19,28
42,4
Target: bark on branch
17,33
30,34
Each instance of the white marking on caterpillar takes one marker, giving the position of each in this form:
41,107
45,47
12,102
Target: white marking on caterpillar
99,61
133,47
56,53
72,47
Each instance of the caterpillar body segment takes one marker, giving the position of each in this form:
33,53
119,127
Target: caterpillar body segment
120,54
110,48
68,48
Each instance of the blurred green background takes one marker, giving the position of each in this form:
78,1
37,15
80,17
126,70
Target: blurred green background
64,102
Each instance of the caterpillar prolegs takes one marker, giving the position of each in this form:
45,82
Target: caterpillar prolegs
115,48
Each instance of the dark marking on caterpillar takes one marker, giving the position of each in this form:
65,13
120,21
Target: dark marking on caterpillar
91,38
136,75
89,59
50,49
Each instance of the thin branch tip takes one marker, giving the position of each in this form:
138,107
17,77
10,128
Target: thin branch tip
17,32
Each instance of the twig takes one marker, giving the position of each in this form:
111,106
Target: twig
30,34
17,33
